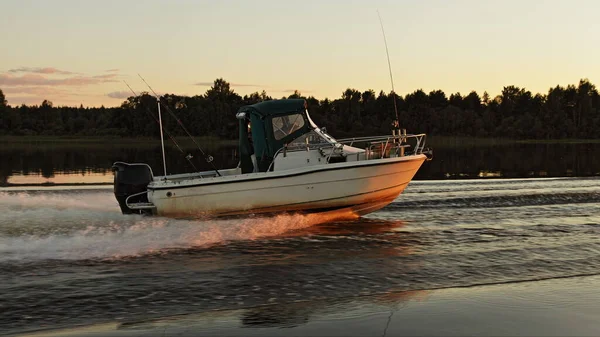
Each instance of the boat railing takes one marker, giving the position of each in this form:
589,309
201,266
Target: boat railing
376,147
400,138
139,205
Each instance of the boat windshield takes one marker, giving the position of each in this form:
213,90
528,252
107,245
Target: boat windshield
312,138
286,125
315,136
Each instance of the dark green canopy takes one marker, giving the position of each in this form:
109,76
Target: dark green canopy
273,124
276,107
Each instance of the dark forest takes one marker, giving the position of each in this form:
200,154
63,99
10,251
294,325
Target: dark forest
571,112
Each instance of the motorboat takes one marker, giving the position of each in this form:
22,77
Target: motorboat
287,165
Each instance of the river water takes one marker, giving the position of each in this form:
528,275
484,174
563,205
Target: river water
68,257
23,163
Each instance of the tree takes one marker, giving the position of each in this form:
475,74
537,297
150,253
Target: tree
4,123
584,110
456,100
571,111
485,99
473,102
296,94
438,100
3,102
223,102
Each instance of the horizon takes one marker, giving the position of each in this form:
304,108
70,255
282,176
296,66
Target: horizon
287,95
78,53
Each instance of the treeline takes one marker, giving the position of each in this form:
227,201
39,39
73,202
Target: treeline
564,112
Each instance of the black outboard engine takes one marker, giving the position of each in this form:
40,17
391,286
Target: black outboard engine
131,179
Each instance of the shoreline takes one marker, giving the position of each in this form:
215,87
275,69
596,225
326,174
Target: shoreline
442,140
102,185
82,141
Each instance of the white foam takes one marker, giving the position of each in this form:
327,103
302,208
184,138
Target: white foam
89,225
103,200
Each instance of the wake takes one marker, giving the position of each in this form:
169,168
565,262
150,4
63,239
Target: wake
88,225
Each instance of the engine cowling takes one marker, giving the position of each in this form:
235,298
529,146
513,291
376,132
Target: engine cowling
130,179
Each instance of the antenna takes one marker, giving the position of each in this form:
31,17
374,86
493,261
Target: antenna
397,122
162,140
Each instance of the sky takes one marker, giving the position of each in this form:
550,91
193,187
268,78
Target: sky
74,52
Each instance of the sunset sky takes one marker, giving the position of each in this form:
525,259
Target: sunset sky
78,52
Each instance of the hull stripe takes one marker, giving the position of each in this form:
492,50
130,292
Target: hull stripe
316,209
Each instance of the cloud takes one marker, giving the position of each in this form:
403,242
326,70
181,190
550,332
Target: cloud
105,76
38,70
42,91
119,94
246,85
210,84
112,70
32,76
35,79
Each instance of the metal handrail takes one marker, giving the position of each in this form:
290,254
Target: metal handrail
419,146
372,138
138,207
357,139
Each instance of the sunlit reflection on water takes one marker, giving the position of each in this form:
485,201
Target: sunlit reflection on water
60,178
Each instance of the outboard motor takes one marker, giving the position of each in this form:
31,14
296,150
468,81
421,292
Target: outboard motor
131,179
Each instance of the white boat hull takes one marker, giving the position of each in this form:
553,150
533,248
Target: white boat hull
359,187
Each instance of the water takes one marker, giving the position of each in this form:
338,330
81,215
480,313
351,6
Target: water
68,257
76,162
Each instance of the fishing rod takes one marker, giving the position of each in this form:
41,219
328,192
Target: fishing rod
207,158
189,156
397,122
